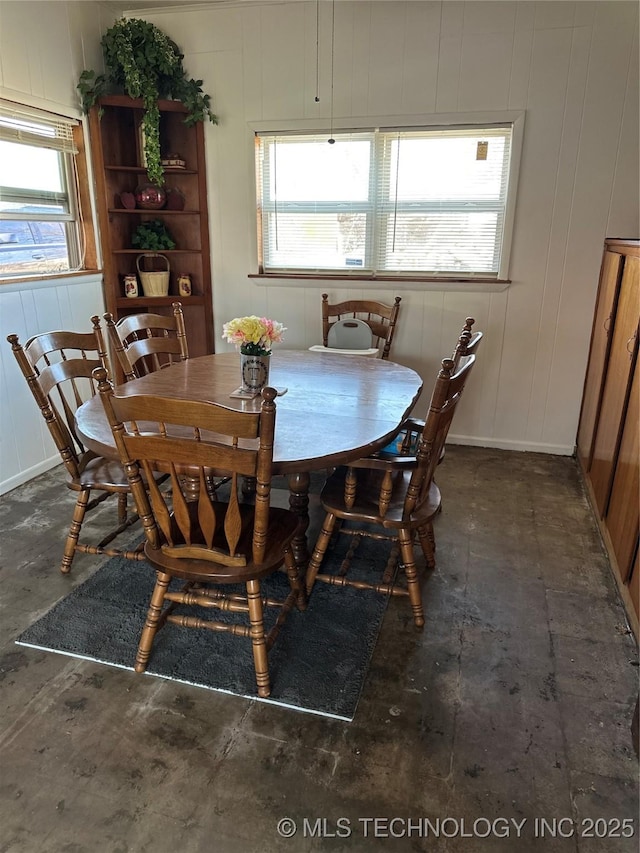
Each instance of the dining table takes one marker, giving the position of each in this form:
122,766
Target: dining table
331,409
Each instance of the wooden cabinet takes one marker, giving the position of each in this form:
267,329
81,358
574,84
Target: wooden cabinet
117,164
610,275
617,384
608,442
622,512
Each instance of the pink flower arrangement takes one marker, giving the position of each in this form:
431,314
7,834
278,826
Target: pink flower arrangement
254,335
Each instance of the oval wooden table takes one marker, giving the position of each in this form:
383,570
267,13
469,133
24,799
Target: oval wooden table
336,409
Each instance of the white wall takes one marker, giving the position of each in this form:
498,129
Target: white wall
43,49
26,447
573,67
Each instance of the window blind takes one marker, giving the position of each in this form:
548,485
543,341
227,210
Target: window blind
405,201
39,213
442,198
36,128
316,199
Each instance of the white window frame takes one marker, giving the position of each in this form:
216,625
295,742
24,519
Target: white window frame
60,138
427,122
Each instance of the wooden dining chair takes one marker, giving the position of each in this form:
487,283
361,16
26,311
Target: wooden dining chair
144,343
395,499
207,543
468,344
58,369
380,318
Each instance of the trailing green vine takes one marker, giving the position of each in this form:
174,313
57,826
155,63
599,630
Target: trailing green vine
145,63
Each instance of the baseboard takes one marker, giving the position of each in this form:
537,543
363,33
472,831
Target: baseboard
24,476
506,444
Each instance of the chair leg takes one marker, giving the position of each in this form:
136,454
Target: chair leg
74,531
152,621
392,563
428,544
258,639
294,579
413,585
320,550
122,508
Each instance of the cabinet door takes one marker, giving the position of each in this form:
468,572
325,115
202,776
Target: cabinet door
621,359
634,585
623,513
600,342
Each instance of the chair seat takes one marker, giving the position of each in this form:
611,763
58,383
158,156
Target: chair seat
366,506
371,352
99,473
282,526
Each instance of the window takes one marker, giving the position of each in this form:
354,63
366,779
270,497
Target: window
39,218
421,202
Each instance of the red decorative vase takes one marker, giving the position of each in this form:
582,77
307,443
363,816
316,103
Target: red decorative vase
150,197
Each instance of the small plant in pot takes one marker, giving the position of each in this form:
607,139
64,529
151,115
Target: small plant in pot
144,62
152,235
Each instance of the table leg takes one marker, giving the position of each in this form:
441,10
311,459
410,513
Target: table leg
191,486
299,503
249,487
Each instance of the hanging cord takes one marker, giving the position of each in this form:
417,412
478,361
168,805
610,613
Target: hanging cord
395,201
331,140
317,97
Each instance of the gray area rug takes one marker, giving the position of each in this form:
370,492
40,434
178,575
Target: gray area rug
318,663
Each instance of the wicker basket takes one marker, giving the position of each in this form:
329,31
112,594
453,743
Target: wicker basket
154,283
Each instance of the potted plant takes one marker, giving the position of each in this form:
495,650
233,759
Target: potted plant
145,63
152,235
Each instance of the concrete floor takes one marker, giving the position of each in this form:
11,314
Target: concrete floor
513,706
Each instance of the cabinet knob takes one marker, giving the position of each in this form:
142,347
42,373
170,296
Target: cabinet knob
607,323
631,344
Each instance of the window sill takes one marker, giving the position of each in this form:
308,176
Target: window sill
378,282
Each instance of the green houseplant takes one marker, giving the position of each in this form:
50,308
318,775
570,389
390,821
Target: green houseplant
145,63
152,235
